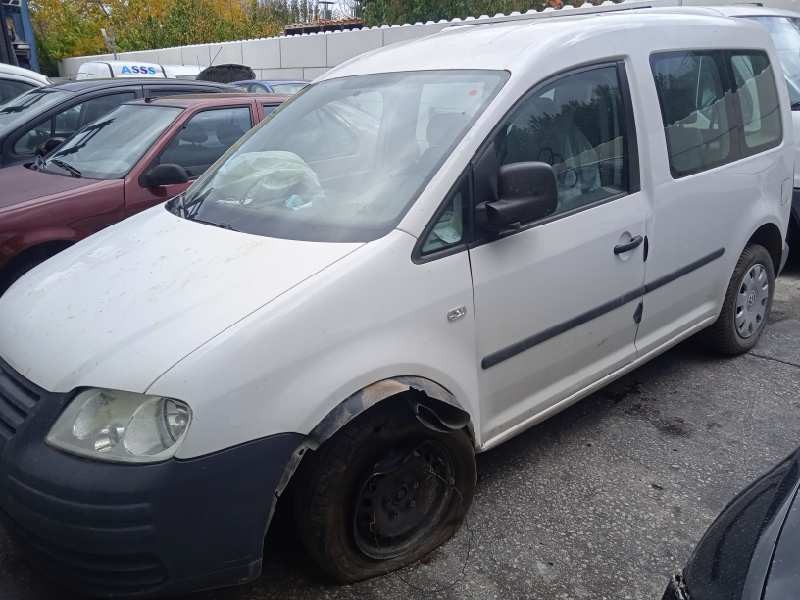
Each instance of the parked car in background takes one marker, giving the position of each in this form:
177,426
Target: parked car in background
103,69
58,111
16,80
752,550
271,86
141,153
436,246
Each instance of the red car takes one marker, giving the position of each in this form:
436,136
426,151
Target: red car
141,154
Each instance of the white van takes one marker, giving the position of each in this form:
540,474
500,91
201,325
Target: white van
104,69
435,246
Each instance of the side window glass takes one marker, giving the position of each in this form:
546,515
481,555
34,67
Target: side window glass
448,229
93,109
694,110
66,122
758,100
577,125
206,137
26,145
268,109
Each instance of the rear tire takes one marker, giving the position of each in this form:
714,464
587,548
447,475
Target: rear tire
748,301
384,492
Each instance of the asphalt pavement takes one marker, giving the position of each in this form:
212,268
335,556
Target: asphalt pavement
604,501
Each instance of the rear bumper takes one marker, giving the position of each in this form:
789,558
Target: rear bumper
119,530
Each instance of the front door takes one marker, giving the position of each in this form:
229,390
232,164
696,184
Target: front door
556,302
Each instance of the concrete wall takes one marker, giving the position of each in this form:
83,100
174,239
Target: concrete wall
286,57
308,56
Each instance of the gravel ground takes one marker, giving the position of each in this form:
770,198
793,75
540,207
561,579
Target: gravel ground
605,500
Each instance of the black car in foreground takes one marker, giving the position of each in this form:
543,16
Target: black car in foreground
59,110
752,550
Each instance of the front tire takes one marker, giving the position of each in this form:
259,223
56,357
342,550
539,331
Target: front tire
748,301
384,492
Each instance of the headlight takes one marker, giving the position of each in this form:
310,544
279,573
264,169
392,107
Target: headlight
121,426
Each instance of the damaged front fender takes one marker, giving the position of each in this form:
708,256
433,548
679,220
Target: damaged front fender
435,406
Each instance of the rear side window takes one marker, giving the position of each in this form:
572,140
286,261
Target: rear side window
697,121
757,98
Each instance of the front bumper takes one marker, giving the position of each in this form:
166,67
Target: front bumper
115,530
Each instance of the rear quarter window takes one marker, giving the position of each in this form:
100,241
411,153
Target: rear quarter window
716,106
757,97
696,116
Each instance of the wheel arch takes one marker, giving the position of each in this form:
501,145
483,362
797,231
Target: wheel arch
429,400
432,404
769,236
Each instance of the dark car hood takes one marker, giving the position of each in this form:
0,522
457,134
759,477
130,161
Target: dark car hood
784,574
732,560
19,184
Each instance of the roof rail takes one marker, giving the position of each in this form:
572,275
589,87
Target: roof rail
568,11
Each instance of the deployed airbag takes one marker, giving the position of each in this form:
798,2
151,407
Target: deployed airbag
269,178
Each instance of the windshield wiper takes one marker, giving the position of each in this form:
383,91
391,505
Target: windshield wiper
185,206
222,225
66,166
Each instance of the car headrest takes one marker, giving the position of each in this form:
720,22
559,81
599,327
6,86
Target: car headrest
228,133
194,135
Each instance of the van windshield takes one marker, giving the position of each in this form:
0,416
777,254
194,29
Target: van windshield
96,152
785,33
345,159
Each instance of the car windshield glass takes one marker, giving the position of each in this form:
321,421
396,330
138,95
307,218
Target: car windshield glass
25,107
785,34
345,159
287,88
111,146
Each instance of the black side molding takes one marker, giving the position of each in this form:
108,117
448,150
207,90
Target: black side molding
503,354
669,278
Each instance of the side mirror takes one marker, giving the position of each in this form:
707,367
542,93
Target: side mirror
527,192
50,144
164,174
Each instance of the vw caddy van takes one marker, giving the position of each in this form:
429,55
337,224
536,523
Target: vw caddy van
427,251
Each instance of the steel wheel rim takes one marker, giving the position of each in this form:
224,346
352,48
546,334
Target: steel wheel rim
752,298
402,499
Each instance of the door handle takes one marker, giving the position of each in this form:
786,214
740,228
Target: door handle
628,246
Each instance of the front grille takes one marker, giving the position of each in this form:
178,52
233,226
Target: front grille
18,398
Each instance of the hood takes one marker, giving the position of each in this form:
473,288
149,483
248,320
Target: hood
20,185
123,306
732,560
784,573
